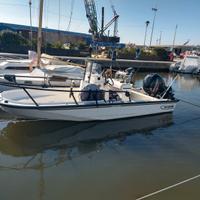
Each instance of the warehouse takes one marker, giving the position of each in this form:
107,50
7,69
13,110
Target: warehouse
49,35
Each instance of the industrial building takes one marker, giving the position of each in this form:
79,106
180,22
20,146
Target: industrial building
49,35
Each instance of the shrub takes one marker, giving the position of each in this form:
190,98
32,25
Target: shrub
149,54
12,39
161,53
127,53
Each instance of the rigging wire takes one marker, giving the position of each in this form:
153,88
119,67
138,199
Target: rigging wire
35,8
46,25
47,13
71,14
13,4
59,14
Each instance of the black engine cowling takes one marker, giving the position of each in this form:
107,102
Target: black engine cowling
92,93
154,85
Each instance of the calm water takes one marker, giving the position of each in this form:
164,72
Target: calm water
115,160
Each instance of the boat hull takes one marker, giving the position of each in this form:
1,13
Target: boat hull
90,113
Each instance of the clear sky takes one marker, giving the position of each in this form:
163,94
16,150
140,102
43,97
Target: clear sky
133,14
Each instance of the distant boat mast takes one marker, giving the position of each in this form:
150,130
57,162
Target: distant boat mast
31,25
175,33
39,40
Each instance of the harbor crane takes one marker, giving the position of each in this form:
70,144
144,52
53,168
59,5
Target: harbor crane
98,34
116,21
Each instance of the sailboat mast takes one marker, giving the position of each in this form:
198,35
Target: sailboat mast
39,40
31,25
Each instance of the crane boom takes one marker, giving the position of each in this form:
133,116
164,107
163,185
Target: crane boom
99,36
91,14
113,20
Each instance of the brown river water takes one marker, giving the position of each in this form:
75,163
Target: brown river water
114,160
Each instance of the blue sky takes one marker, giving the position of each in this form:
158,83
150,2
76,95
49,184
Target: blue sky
133,14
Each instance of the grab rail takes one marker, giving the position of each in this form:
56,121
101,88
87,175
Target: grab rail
46,81
71,92
42,77
51,90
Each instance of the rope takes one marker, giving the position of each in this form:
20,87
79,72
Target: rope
192,104
71,14
170,187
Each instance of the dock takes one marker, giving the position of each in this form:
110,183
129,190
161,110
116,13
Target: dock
142,65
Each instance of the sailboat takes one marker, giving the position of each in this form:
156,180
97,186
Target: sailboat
40,69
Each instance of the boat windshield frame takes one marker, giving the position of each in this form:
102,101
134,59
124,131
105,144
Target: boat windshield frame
91,68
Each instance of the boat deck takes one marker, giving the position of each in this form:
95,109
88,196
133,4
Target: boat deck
47,97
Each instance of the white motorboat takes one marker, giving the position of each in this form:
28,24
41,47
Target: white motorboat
189,65
94,100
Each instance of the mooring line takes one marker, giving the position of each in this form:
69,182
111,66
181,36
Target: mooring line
170,187
192,104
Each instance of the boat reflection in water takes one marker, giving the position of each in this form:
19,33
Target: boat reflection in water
69,140
44,145
188,82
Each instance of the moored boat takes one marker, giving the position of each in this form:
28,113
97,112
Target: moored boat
53,76
52,72
96,99
189,65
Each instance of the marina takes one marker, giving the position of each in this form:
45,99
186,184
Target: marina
143,65
145,154
99,100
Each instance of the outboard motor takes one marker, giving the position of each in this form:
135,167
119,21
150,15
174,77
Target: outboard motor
91,92
155,86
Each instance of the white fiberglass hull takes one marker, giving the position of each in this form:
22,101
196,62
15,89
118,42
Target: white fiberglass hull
90,113
189,65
